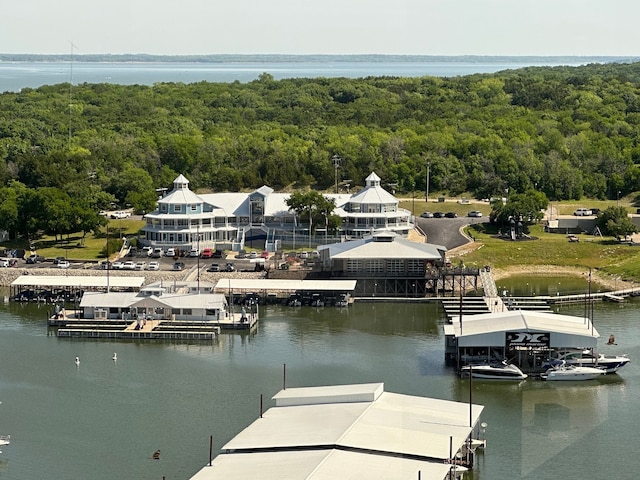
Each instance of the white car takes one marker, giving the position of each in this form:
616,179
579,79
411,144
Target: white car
194,252
475,214
129,265
140,266
63,264
582,212
120,214
171,252
154,266
117,266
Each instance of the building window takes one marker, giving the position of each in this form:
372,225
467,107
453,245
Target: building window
415,267
194,208
163,207
354,266
175,311
395,267
187,311
177,208
375,266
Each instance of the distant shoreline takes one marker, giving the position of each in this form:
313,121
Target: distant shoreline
317,58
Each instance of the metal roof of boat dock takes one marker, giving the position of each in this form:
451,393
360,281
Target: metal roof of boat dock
318,465
570,327
92,281
285,285
372,430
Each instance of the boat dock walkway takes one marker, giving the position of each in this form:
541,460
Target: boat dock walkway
71,326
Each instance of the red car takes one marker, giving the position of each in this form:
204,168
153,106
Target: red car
207,253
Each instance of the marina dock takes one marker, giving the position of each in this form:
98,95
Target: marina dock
72,327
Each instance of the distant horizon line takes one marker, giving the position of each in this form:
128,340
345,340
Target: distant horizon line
219,57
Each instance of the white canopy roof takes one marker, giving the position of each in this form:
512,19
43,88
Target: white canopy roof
255,285
78,281
376,430
565,330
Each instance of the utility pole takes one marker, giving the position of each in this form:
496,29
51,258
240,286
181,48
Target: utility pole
428,172
336,164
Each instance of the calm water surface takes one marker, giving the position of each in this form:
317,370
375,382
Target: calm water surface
17,75
104,419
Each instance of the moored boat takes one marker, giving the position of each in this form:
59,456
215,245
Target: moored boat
564,372
499,371
588,358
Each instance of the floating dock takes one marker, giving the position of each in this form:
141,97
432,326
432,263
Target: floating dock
72,327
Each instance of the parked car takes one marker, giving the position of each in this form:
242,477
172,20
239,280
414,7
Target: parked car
63,264
475,214
140,266
207,253
451,215
253,255
582,212
178,266
194,252
242,254
129,265
157,253
146,251
219,254
264,254
229,267
4,262
214,268
303,255
32,259
117,266
153,266
426,215
438,215
57,260
120,214
171,252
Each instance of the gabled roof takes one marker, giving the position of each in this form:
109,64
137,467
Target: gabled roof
374,247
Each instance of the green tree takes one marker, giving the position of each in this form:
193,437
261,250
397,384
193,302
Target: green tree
615,221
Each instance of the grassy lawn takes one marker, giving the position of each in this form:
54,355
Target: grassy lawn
73,248
604,254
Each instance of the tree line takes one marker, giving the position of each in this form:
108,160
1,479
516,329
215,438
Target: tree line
567,132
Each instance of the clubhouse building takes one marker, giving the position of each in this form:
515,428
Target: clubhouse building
187,220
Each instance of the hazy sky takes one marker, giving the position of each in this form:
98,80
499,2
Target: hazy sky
426,27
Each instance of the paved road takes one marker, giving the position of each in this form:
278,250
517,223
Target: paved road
446,231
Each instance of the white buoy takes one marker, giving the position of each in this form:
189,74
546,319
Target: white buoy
115,356
77,361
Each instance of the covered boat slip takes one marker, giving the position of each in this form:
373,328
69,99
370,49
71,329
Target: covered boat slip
48,288
348,431
281,289
522,337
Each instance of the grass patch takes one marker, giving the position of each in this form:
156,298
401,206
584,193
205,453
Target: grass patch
74,248
604,254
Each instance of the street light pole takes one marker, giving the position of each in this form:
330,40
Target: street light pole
336,163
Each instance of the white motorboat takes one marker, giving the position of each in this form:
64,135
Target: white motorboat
566,372
498,371
4,440
588,358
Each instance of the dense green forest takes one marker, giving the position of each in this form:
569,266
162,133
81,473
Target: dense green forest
568,132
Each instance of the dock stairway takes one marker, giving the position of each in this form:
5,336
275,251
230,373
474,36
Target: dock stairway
467,305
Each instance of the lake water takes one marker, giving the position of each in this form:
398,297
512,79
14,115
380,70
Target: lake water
17,75
104,419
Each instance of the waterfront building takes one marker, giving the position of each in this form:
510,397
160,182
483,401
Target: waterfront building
524,337
385,264
350,431
190,301
187,220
